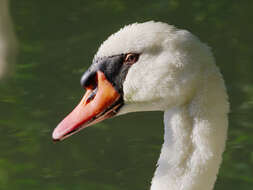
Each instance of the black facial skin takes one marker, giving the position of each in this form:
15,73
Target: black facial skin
114,67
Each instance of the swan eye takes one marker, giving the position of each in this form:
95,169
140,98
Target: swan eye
131,58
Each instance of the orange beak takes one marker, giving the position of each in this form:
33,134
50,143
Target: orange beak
95,106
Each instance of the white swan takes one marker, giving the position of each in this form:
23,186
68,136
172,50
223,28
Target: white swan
154,66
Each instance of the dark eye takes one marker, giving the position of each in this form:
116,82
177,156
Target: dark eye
131,58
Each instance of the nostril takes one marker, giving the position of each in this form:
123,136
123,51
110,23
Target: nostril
89,80
91,96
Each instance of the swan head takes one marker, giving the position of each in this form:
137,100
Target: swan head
142,67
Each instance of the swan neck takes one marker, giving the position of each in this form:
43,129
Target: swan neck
194,140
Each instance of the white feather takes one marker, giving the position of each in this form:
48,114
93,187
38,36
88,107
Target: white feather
176,73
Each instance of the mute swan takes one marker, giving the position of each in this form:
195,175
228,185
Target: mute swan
154,66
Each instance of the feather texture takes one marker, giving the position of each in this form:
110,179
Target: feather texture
176,73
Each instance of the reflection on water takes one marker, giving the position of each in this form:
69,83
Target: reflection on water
7,39
57,42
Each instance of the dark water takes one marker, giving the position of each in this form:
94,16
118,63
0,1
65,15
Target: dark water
57,41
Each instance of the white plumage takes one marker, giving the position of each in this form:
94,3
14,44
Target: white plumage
176,73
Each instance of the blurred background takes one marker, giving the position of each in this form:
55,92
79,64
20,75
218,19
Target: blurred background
53,42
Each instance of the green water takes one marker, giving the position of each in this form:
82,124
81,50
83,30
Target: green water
57,40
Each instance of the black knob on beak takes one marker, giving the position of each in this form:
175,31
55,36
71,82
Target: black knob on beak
88,80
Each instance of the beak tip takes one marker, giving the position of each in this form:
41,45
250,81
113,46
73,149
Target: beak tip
56,135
